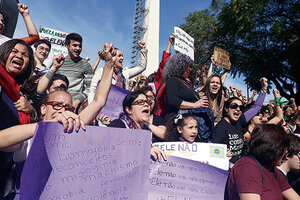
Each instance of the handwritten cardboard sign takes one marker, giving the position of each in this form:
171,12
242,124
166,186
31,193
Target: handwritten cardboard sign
99,163
114,103
222,58
184,43
183,179
209,153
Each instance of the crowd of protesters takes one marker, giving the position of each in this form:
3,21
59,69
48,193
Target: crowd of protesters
262,138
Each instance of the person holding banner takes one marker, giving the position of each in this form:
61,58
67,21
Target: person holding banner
121,76
58,107
255,176
155,123
229,129
136,108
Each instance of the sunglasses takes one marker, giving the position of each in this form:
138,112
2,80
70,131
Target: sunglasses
59,105
141,102
235,106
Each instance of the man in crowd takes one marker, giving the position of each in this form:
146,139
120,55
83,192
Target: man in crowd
78,71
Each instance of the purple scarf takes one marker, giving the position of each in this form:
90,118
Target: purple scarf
120,79
131,123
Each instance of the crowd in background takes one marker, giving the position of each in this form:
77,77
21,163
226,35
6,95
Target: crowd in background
173,104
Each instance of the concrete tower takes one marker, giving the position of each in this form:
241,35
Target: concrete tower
146,28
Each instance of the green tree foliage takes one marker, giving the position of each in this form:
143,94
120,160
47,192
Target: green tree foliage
262,37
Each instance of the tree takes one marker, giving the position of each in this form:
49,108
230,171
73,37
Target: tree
262,38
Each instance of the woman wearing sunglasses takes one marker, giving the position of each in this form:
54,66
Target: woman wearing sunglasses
136,108
229,130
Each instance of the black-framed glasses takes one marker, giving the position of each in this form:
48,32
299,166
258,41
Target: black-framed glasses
150,97
141,102
56,105
235,106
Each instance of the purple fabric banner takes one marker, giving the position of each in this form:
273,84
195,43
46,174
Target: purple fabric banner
183,179
99,163
113,106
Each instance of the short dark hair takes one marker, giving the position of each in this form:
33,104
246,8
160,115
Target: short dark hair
57,76
264,109
5,50
42,41
145,89
294,147
268,143
73,36
130,98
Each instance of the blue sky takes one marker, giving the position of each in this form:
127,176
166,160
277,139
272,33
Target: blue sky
100,21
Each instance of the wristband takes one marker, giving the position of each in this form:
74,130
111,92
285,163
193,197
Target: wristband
147,123
49,74
277,101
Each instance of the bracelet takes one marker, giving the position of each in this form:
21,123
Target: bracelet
147,123
264,91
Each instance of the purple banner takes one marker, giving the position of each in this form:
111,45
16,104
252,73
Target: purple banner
183,179
113,106
99,163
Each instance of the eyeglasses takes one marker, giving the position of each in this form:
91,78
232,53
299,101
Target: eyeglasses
141,102
56,105
150,97
40,48
235,106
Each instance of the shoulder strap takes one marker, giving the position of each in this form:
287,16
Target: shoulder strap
262,173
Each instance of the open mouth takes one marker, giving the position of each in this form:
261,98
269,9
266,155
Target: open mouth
236,114
17,63
146,111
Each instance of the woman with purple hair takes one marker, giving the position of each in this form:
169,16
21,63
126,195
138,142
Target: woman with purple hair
179,90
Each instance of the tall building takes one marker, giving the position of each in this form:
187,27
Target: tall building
146,28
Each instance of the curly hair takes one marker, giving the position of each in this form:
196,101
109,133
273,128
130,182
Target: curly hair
176,65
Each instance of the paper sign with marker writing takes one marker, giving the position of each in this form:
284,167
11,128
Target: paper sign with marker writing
113,106
184,179
99,163
222,58
184,43
209,153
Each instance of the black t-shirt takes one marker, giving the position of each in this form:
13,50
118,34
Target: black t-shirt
157,121
232,136
117,123
176,92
